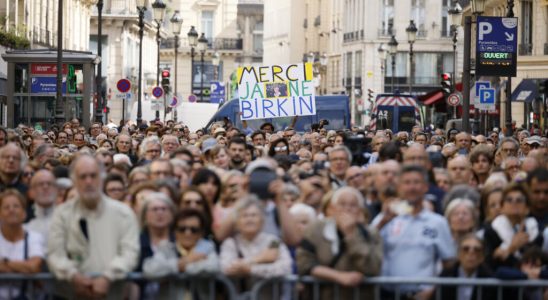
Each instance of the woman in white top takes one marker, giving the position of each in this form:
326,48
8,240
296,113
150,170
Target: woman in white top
21,251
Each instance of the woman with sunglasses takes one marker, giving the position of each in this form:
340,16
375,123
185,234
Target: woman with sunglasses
512,232
470,264
193,198
278,147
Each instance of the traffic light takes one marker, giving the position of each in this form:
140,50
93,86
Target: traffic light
446,83
165,80
370,95
106,110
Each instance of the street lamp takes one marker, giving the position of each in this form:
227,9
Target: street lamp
176,26
159,11
192,36
393,49
141,8
478,7
456,19
310,57
508,110
99,80
382,55
411,37
202,47
215,61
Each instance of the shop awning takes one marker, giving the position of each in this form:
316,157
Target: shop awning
526,91
432,97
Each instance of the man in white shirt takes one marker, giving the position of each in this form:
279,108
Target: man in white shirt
92,234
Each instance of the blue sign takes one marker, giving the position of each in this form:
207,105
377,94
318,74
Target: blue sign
481,85
157,92
496,46
487,96
45,85
217,92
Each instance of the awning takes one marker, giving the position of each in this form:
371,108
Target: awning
432,97
526,91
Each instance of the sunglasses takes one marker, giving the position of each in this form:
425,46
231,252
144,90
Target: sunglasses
284,148
183,229
469,249
515,200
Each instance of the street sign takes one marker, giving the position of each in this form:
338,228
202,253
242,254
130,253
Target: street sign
123,95
156,104
157,92
174,102
496,46
217,92
123,85
478,86
487,99
192,98
454,99
46,85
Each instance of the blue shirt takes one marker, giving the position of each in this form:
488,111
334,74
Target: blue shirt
414,244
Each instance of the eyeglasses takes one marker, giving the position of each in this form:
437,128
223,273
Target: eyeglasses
153,151
471,249
183,229
45,184
158,209
358,175
284,148
28,174
515,200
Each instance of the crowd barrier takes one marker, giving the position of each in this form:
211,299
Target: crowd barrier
292,287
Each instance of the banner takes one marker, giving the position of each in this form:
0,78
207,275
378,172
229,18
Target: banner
276,91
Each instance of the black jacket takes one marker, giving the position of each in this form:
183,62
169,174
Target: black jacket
450,292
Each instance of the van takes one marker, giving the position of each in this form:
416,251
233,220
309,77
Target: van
396,112
335,109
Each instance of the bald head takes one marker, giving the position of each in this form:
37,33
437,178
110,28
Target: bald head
42,188
460,170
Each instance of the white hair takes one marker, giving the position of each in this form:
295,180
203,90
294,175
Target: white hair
305,209
123,158
347,189
147,142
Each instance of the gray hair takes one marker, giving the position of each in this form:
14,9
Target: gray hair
147,142
305,209
247,202
343,149
511,140
102,173
469,204
24,157
461,191
347,189
149,197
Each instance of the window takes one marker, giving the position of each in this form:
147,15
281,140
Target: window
402,60
418,14
105,57
526,19
258,37
358,68
207,24
348,73
445,20
387,16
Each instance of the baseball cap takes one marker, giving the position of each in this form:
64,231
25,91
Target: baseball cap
535,139
208,144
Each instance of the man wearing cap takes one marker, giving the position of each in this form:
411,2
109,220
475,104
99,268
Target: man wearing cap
529,144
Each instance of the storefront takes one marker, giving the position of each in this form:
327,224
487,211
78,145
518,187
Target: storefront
31,87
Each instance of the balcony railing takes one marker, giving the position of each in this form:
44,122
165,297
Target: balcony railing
446,33
217,44
353,36
525,49
385,32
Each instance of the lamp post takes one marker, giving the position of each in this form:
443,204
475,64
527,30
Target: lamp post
159,11
99,79
508,106
202,47
192,36
382,54
456,19
478,7
176,26
323,70
393,49
411,36
215,61
141,8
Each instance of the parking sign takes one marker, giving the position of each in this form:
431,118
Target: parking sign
496,46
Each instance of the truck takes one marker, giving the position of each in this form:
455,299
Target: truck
397,112
334,108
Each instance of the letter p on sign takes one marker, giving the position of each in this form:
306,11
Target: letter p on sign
484,28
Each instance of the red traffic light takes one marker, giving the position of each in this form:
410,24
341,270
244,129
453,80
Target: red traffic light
446,76
165,73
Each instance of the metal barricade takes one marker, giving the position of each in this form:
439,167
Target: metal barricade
382,288
210,286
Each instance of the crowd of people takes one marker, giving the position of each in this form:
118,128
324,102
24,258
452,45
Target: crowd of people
92,205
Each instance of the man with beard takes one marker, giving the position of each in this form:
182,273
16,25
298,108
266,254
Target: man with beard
92,234
237,151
